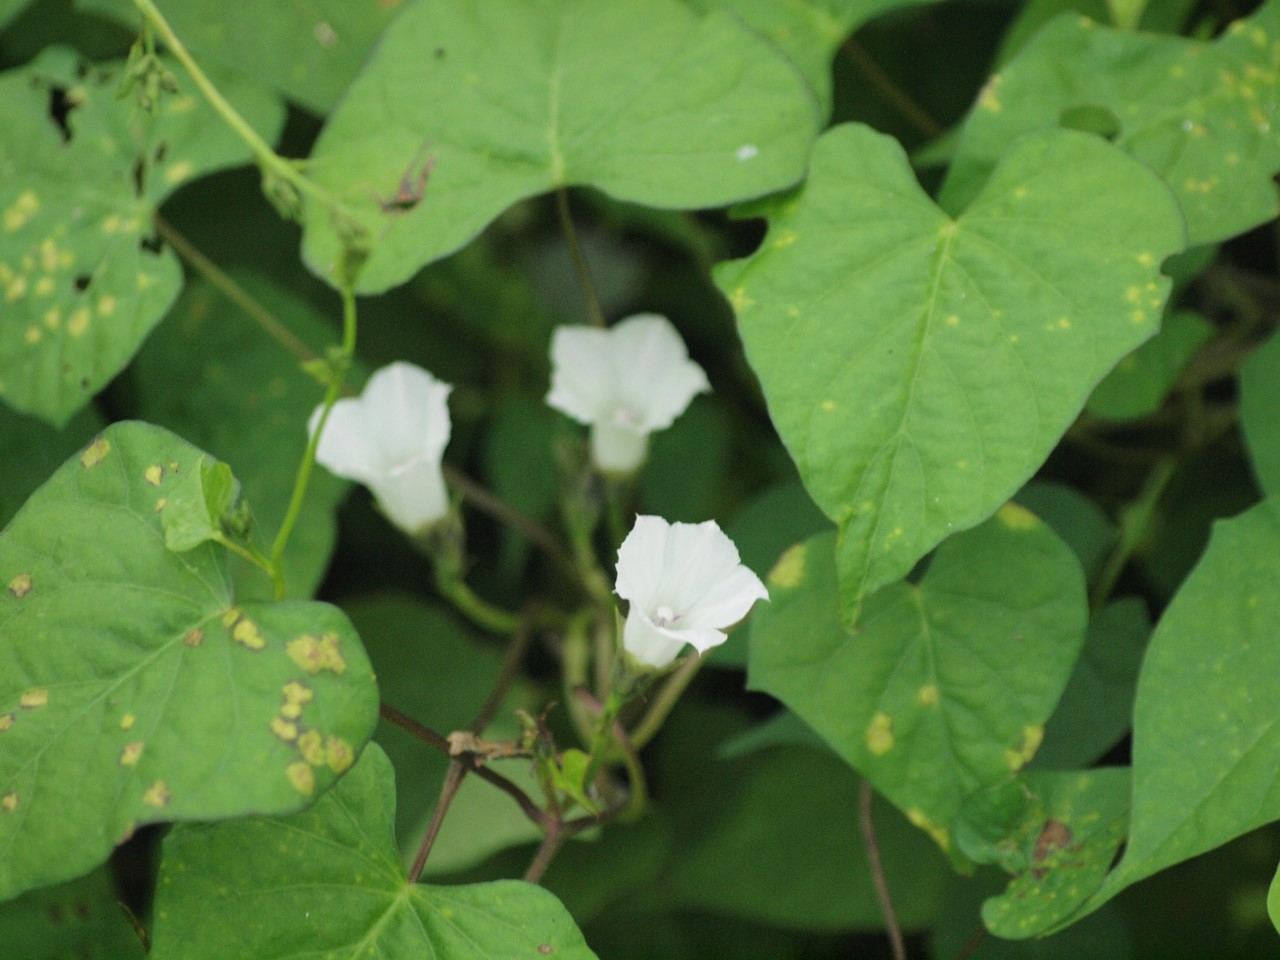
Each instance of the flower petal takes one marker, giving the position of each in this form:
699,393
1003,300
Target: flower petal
407,410
413,497
582,375
655,377
641,560
347,447
647,643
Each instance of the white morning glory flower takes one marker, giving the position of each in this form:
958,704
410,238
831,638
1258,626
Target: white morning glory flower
626,382
685,584
391,439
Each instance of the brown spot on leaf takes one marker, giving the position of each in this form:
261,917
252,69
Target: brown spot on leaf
20,585
1054,836
157,795
301,776
6,722
193,637
131,754
31,699
311,745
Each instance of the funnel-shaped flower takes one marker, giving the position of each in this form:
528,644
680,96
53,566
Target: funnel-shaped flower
626,382
685,585
391,439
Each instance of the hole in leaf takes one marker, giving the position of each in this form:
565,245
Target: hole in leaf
152,244
60,107
82,281
1090,118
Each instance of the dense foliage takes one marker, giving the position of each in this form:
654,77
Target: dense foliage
970,356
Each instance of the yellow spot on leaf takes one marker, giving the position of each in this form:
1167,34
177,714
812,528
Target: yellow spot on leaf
1146,259
785,239
78,322
940,835
106,306
311,745
302,777
246,632
9,802
178,171
314,654
22,209
1019,758
193,637
828,405
6,721
145,280
161,503
283,729
33,335
16,288
739,300
339,755
880,734
928,695
952,321
295,692
53,318
111,224
31,699
989,97
131,753
127,721
153,474
789,570
157,795
230,617
44,286
95,453
20,585
1138,316
1017,517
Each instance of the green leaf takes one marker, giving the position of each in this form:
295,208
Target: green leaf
328,882
309,50
198,502
920,368
81,282
808,31
217,378
752,861
1141,381
1259,405
1056,832
1205,740
1201,115
82,919
133,689
10,9
475,105
1075,518
945,686
1096,709
30,450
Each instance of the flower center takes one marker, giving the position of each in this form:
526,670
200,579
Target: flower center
665,617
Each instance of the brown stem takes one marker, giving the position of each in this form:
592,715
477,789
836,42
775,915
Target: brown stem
453,778
427,735
511,662
973,944
228,287
546,853
865,796
890,90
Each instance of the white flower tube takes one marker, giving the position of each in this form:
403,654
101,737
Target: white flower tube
391,439
626,382
685,584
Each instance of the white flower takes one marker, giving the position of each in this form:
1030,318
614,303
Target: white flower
685,585
626,382
391,439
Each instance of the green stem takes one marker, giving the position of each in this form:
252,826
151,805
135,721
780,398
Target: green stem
270,161
309,456
251,554
476,609
594,312
604,735
1135,521
653,719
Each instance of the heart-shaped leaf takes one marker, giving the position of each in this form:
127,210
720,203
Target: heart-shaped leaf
81,279
1206,733
1201,115
328,882
472,105
944,687
133,689
920,368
